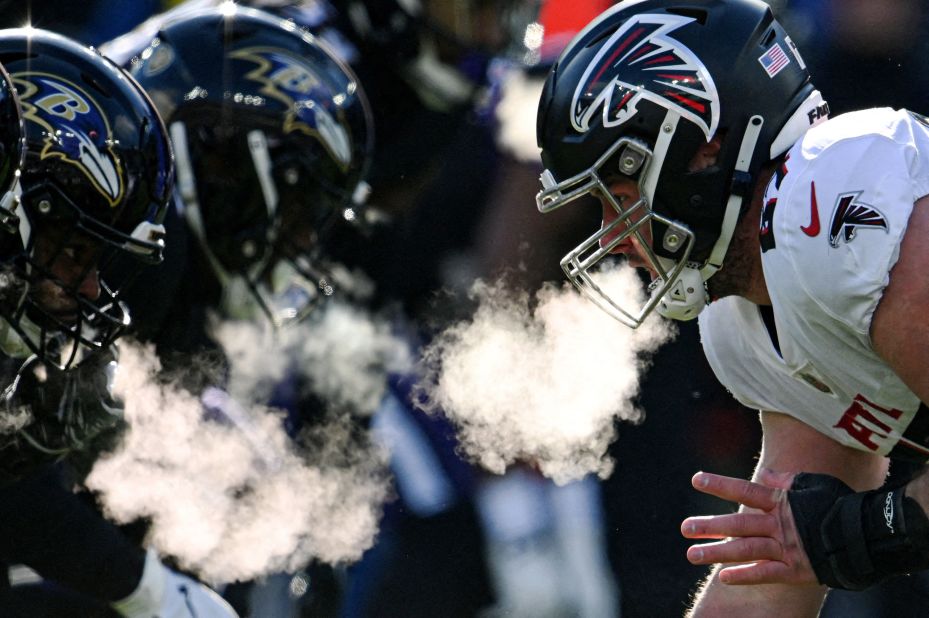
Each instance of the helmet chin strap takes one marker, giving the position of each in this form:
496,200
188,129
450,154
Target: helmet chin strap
261,159
742,191
659,152
688,296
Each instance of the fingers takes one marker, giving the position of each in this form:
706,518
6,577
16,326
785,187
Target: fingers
732,525
749,549
753,541
769,572
732,489
778,480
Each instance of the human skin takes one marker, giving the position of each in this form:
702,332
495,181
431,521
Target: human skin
759,544
71,263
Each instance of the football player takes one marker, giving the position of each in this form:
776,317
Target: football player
95,181
797,240
272,135
263,173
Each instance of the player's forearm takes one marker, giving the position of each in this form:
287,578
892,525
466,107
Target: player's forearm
771,600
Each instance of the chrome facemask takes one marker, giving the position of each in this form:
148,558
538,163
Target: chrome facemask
678,290
635,159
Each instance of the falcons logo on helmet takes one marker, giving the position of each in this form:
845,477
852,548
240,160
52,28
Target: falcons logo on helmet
641,61
849,216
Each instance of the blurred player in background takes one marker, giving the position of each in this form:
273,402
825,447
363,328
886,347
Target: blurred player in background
264,176
715,176
95,182
426,77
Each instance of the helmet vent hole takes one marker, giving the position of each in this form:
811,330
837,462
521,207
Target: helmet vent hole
602,36
698,14
769,38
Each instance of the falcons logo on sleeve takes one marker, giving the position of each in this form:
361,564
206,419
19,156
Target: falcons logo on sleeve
849,216
642,61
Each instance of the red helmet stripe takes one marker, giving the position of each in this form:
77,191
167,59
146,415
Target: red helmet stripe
681,78
619,49
665,58
700,107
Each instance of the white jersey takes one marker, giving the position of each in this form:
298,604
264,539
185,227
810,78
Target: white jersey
831,227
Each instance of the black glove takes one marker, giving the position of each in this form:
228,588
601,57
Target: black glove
856,540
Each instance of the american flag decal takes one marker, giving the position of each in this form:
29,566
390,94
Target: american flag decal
774,60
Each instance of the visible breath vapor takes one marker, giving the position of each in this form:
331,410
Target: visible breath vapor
341,353
542,384
237,499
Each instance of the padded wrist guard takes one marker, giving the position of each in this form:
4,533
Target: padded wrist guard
856,540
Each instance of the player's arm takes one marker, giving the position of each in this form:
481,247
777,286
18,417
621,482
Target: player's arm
854,539
761,543
900,326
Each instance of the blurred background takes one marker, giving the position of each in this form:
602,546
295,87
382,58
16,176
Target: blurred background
453,86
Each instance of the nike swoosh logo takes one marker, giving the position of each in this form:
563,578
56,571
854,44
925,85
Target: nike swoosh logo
813,228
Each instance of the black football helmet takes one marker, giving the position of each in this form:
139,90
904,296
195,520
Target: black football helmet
96,180
272,136
635,94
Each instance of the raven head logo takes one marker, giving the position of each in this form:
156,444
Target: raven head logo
849,216
75,127
312,108
642,61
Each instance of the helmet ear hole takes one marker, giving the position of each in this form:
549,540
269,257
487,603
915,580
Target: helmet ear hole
769,38
707,153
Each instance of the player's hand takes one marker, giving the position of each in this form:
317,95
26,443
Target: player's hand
760,542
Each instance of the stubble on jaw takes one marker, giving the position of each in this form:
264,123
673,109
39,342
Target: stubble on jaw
741,273
734,276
